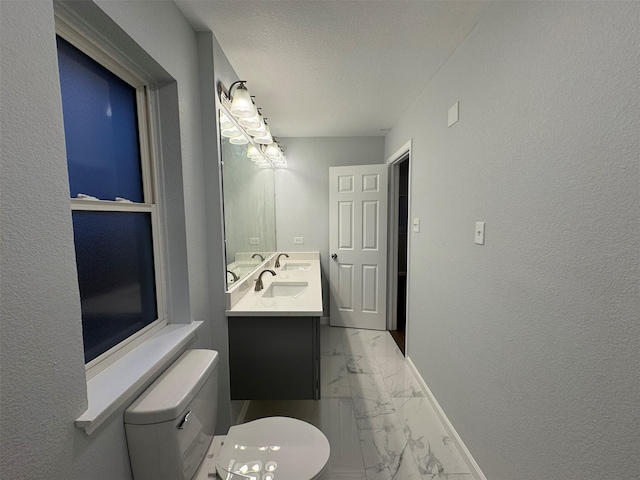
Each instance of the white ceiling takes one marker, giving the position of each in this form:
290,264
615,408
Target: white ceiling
335,68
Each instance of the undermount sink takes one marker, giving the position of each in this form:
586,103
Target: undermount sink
296,266
285,289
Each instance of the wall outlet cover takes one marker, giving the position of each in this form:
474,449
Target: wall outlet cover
479,236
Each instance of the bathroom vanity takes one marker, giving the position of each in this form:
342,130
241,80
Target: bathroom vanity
274,333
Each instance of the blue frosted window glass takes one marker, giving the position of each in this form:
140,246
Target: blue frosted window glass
100,127
114,255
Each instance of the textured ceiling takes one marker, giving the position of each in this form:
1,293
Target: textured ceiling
335,68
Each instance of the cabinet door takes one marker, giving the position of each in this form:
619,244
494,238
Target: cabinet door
273,358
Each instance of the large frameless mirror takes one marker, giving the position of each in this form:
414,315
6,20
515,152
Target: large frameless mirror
249,209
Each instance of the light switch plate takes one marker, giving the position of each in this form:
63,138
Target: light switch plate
480,233
453,114
298,240
416,225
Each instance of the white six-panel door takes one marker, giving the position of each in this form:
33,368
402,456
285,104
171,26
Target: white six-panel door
358,246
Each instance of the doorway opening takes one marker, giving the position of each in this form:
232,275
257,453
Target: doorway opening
399,238
401,255
402,205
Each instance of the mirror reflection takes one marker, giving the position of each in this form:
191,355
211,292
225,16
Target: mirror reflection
249,210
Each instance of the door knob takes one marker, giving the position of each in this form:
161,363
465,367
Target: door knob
334,255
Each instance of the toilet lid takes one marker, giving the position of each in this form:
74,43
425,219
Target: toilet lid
273,448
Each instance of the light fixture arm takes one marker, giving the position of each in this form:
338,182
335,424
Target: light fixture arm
240,84
227,92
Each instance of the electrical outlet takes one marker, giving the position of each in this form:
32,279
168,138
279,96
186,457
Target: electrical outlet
254,241
298,240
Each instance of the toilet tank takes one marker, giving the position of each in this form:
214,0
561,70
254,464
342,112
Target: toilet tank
170,426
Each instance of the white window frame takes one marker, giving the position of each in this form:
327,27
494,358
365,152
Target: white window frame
149,182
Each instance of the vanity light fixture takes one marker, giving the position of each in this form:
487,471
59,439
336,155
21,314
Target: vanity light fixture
253,123
265,138
255,126
241,106
242,123
260,131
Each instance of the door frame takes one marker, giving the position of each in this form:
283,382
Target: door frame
392,242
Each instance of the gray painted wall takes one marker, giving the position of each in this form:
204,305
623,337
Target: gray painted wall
42,367
42,361
531,343
302,191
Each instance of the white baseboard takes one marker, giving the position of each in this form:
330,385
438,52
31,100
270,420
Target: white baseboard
462,449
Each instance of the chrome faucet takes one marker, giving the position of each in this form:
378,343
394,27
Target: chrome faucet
277,265
235,277
259,285
258,255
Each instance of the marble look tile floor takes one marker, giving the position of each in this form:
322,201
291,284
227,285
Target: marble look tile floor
379,424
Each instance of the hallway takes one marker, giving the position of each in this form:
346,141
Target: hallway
379,424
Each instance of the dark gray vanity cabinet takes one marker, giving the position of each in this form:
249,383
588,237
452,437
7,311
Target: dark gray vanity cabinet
274,358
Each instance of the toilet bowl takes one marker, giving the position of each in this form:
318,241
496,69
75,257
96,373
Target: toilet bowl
170,429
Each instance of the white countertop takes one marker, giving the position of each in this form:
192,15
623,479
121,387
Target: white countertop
307,304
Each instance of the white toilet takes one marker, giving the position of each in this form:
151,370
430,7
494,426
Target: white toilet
170,431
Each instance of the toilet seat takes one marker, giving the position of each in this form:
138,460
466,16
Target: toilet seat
278,448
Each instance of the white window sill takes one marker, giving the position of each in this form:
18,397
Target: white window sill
114,386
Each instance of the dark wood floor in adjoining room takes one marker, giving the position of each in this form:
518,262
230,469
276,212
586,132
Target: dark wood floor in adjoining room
398,336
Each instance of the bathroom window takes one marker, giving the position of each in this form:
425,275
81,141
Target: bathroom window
112,194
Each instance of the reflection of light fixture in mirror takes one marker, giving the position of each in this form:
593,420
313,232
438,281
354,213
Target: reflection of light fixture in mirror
275,154
225,123
231,132
253,152
239,140
281,162
273,151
